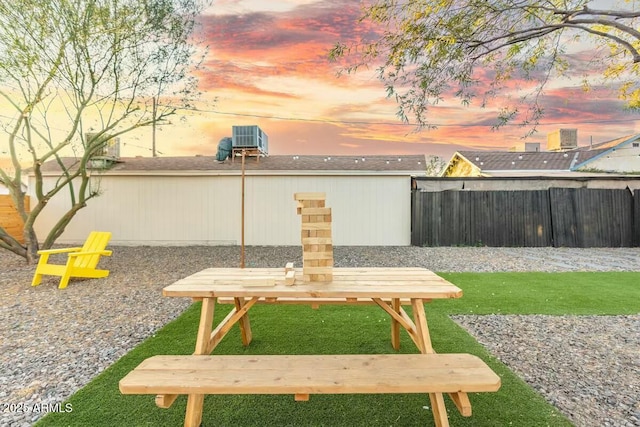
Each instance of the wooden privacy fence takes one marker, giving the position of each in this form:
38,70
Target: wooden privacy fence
10,219
561,217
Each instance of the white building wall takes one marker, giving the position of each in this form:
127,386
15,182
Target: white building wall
624,159
366,210
206,210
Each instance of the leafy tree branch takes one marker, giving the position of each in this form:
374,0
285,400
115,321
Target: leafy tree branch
430,51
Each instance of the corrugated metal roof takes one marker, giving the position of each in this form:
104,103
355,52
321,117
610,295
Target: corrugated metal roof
388,163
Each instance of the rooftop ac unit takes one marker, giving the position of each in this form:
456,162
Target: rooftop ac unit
251,138
562,139
111,149
108,153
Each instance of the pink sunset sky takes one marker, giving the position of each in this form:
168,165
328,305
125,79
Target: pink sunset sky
268,66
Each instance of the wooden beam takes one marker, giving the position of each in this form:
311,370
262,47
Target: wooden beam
462,402
223,328
165,400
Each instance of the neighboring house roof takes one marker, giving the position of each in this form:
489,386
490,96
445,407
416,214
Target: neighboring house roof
494,161
390,164
614,142
608,147
544,162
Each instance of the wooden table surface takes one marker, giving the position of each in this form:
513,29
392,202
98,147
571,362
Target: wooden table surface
403,283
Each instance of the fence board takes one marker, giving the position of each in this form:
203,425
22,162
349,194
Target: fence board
471,218
561,217
10,220
537,224
586,218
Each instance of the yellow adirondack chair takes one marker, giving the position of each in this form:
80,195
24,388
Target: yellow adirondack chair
81,262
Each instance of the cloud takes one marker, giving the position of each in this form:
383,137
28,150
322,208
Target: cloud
294,42
272,61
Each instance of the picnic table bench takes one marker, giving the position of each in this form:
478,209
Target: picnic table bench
303,375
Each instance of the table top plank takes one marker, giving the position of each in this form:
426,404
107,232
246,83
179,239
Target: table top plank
347,283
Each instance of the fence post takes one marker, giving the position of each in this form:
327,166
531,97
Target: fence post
635,240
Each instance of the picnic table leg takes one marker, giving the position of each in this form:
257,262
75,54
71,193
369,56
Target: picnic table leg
395,325
420,320
245,325
193,416
437,400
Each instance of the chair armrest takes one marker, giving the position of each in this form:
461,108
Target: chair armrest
58,251
105,253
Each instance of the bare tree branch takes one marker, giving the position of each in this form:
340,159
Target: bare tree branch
95,62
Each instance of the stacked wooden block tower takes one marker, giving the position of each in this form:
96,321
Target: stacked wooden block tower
317,246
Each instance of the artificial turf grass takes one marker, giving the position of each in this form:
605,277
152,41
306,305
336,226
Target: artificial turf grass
100,403
300,330
572,293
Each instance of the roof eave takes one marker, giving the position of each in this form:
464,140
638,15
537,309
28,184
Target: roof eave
252,173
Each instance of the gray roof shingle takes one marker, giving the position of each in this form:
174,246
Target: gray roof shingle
387,163
544,160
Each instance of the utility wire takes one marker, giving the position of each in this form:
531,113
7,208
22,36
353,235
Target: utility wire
370,123
358,122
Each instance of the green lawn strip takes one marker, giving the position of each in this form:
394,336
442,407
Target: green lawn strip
574,293
349,329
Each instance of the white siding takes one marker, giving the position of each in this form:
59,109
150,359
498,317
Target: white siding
624,159
206,210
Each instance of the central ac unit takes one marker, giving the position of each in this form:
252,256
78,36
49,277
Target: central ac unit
250,137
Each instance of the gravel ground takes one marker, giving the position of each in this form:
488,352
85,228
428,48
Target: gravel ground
53,342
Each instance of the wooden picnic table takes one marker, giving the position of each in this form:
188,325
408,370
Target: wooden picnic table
389,288
386,287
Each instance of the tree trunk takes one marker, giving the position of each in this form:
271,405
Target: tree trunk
31,252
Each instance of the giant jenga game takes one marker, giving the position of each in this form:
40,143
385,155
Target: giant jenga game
317,246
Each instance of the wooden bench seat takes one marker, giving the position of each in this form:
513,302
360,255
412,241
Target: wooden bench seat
303,375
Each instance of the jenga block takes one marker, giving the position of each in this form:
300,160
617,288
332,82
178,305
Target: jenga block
290,277
320,278
317,270
316,226
316,211
325,255
309,196
322,234
317,240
